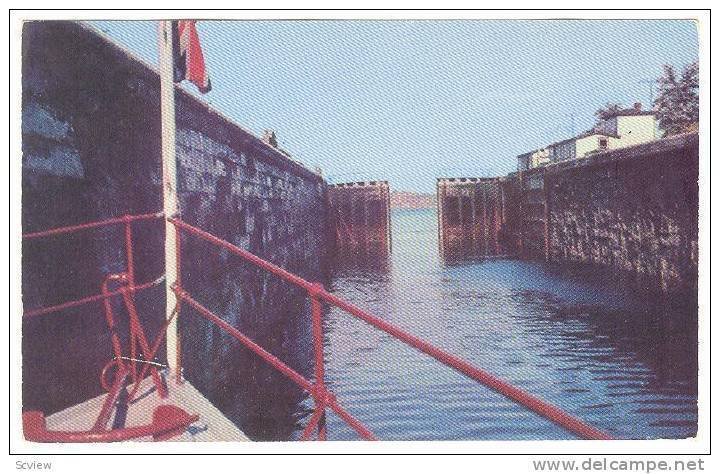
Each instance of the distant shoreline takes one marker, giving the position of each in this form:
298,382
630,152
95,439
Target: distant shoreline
412,200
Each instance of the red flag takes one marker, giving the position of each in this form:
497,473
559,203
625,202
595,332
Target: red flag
188,56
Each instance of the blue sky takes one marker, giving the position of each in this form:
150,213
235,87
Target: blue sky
409,101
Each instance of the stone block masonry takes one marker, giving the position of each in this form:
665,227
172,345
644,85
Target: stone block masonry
91,150
634,209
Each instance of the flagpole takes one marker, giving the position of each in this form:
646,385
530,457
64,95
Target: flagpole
170,202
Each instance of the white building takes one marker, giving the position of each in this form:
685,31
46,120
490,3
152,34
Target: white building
625,128
629,127
534,159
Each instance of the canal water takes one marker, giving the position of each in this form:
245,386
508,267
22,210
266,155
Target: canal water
576,337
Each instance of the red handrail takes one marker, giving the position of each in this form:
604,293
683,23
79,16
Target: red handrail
317,294
89,299
127,220
323,398
168,420
34,421
318,391
91,225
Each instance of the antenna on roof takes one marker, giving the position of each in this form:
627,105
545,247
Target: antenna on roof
651,91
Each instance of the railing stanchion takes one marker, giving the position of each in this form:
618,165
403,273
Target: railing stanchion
320,395
130,263
319,297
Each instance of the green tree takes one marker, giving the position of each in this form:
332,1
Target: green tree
678,102
608,110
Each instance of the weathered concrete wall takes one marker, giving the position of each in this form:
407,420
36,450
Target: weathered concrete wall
91,150
634,209
360,220
472,218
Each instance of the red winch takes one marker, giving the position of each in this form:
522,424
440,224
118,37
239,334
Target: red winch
167,420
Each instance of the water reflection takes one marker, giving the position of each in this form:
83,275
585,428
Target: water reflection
577,338
367,260
574,336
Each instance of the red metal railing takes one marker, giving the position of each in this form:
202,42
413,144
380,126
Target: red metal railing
127,221
167,420
319,295
323,398
127,290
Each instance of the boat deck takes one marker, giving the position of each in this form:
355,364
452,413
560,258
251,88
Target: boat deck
212,426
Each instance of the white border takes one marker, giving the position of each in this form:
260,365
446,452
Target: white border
697,445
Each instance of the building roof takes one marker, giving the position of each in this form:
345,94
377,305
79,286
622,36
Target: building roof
588,133
560,142
629,112
530,153
635,111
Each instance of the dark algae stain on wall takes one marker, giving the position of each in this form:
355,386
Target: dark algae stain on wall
91,150
633,209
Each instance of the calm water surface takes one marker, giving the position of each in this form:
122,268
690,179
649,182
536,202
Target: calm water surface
577,338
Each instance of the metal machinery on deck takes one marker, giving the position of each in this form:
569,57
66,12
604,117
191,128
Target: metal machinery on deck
168,420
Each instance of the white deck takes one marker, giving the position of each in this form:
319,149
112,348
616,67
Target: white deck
81,417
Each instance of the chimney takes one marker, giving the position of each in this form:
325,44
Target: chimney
637,106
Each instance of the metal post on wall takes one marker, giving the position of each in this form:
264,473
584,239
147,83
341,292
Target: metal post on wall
521,217
388,217
487,218
169,174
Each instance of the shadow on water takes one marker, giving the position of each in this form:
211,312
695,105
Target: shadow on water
256,396
361,262
661,334
577,337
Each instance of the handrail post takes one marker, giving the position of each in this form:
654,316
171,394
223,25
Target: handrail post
317,330
130,280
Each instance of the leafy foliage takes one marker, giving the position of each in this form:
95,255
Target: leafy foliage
678,104
608,110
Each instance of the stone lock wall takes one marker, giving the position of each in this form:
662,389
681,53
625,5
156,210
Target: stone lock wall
634,209
91,150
